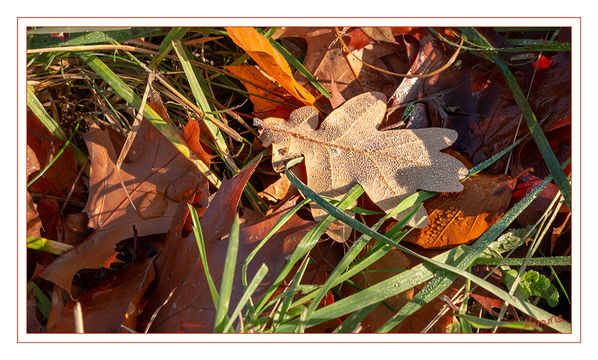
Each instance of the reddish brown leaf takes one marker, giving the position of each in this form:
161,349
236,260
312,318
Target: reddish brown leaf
192,134
114,302
61,176
460,218
191,309
156,177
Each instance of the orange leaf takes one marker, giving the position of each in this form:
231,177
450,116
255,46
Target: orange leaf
460,218
258,47
261,89
191,131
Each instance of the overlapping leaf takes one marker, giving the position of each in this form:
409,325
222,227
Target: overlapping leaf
347,149
156,178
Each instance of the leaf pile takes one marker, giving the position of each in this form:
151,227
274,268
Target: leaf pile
176,217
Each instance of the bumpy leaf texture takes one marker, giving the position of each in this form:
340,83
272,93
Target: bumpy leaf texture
347,148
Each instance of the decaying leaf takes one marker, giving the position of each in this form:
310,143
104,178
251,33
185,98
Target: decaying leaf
347,149
114,302
461,218
191,309
157,177
270,60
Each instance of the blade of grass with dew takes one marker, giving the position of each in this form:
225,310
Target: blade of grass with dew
201,246
444,279
257,279
47,245
530,118
162,126
541,261
175,33
38,109
43,302
449,272
377,292
44,40
306,244
228,277
353,252
482,323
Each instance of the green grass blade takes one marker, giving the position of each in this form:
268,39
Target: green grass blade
201,246
228,277
444,279
289,295
40,38
279,224
43,302
482,323
125,92
530,118
38,109
47,245
306,244
354,251
257,279
464,262
353,320
302,69
542,261
175,33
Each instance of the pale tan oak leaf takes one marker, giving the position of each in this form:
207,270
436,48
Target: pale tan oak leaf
348,148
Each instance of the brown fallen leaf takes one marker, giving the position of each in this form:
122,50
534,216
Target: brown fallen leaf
258,47
325,60
191,309
347,148
114,302
461,218
278,190
157,178
62,175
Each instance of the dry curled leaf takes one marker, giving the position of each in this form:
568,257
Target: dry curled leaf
269,59
156,176
347,149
